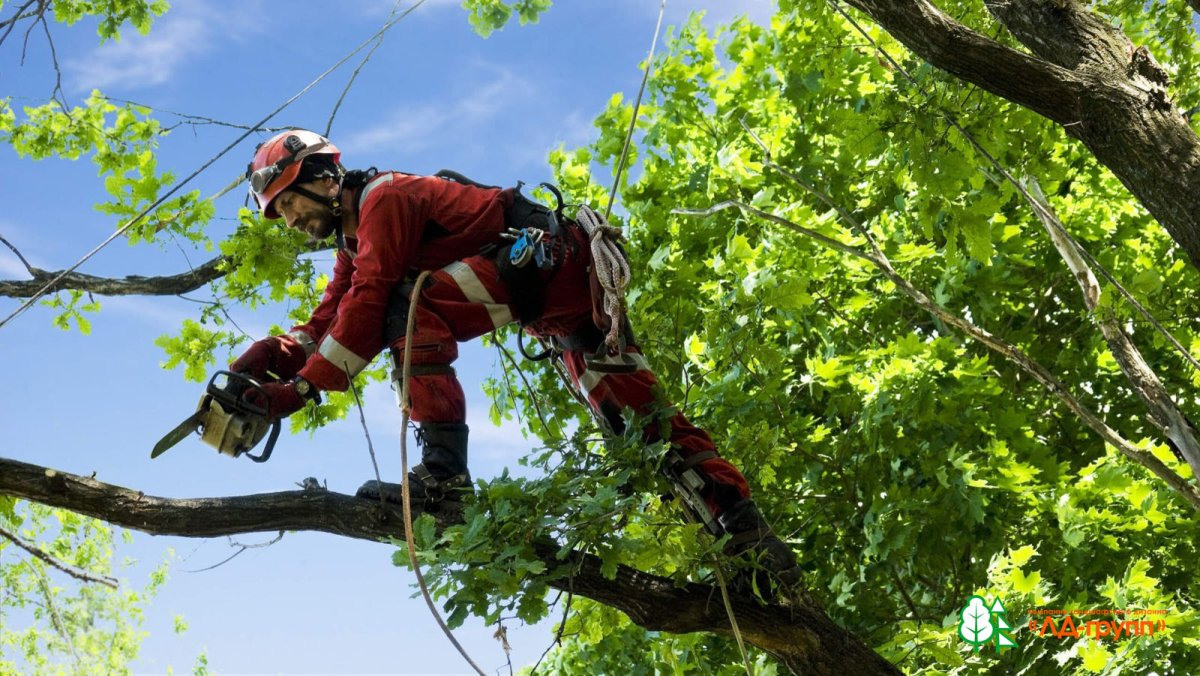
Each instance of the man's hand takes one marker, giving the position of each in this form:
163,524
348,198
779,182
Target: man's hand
281,399
283,356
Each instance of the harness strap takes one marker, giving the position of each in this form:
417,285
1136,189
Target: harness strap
426,370
750,536
697,458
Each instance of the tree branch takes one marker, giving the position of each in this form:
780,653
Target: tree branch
1035,83
1007,350
1085,75
804,638
1164,414
131,285
81,575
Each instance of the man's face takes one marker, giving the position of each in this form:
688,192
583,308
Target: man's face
304,214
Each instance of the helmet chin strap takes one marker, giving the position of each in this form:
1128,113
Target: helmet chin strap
334,204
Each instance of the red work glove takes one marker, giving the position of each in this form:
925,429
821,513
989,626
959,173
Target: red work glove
281,355
281,399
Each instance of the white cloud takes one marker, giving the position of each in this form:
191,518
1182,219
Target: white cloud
413,128
139,61
184,32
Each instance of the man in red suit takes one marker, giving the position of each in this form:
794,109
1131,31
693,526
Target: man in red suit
391,225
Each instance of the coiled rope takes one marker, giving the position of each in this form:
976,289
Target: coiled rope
612,269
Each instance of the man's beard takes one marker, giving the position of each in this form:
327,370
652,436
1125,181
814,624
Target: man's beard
320,226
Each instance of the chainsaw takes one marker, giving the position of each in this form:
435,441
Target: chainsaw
227,420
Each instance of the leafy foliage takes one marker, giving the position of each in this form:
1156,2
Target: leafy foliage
48,626
863,423
910,467
113,14
487,16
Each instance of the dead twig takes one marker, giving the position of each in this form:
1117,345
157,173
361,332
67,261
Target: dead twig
241,549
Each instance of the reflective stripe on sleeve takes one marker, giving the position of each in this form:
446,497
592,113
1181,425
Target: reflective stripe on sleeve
342,357
475,292
374,183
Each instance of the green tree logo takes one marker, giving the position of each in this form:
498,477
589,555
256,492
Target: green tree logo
975,623
980,624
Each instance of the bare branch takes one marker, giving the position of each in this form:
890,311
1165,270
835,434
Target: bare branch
18,253
57,94
354,75
802,637
10,23
1165,415
998,345
69,570
241,548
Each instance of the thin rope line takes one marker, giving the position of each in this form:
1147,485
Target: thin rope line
405,407
612,194
353,76
362,418
136,219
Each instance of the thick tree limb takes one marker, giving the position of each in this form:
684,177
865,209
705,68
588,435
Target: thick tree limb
802,637
1083,74
132,285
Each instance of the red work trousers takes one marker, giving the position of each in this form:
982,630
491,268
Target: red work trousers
467,299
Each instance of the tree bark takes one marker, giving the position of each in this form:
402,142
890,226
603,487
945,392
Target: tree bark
169,285
802,637
1083,74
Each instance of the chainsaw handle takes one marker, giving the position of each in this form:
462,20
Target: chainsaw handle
234,392
266,452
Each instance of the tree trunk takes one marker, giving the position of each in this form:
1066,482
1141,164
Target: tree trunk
802,637
1083,74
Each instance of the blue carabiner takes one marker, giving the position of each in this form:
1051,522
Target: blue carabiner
521,251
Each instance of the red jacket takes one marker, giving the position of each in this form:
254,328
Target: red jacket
405,223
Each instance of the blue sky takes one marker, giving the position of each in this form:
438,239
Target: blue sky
434,96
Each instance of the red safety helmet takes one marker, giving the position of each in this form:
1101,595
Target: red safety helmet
276,164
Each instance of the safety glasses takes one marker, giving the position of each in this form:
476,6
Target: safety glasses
261,178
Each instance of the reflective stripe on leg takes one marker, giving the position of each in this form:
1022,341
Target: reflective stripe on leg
475,292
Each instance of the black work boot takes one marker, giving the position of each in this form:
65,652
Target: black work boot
751,537
442,475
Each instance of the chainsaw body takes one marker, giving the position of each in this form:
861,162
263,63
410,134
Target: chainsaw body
227,420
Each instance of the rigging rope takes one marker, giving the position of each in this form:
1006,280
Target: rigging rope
174,189
405,409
